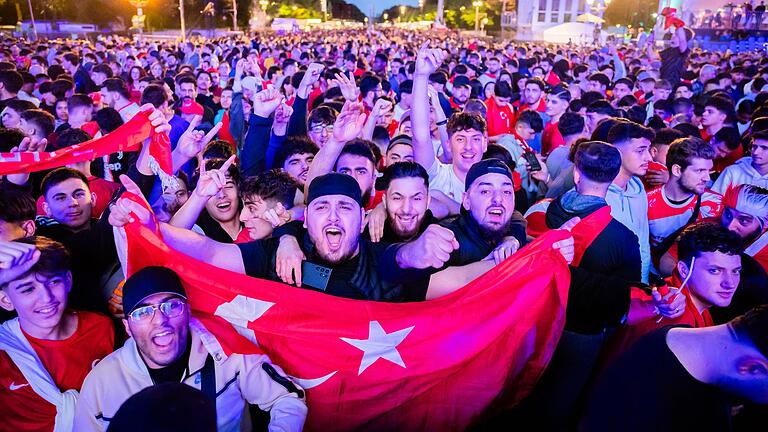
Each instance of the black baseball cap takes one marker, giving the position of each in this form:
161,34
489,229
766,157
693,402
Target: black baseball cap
461,81
150,281
487,166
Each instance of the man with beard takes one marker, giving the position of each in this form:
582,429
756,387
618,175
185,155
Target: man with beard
461,92
745,212
684,199
488,223
405,205
168,345
330,237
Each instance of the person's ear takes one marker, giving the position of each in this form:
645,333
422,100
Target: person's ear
362,220
93,198
68,281
29,228
47,209
465,201
5,301
683,269
127,327
677,170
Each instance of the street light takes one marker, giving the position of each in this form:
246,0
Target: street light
402,13
477,4
421,6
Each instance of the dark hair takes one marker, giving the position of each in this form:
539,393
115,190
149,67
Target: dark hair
322,114
104,69
532,119
108,119
233,171
10,138
16,206
729,136
666,136
367,84
217,149
684,150
11,80
502,89
687,129
601,106
359,147
496,151
404,169
601,78
538,81
753,327
465,121
627,101
707,237
154,94
272,184
20,105
79,100
570,124
598,161
561,92
116,85
59,175
42,120
72,136
721,103
296,144
603,127
626,130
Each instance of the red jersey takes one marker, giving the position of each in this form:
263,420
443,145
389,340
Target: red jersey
551,138
536,218
104,189
68,361
376,198
653,166
553,79
759,250
724,162
665,217
500,119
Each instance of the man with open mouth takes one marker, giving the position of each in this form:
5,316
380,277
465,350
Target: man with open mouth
167,345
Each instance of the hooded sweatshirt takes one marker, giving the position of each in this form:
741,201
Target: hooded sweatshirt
742,172
630,207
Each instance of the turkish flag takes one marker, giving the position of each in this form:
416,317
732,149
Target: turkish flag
437,365
128,137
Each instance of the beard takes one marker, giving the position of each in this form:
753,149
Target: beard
494,235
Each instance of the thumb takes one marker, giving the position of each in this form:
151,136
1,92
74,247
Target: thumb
130,186
656,295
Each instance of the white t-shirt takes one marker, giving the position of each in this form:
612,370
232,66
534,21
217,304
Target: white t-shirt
442,178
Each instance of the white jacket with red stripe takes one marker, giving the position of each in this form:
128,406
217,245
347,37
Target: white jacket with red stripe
239,378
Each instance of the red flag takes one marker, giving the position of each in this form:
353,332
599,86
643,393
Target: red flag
586,231
434,365
128,137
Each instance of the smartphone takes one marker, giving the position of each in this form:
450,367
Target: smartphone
315,275
532,160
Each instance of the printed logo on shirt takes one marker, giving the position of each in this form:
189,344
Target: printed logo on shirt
15,386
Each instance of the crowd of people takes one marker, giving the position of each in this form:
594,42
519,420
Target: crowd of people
406,167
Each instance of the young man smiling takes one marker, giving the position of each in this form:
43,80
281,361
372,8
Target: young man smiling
46,352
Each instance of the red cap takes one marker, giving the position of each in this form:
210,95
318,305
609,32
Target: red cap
191,107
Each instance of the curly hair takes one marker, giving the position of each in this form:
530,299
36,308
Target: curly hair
707,237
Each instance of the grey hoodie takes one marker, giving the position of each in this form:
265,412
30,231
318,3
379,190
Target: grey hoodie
630,207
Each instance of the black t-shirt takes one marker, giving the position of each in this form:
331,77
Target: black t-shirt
673,64
647,389
212,229
370,275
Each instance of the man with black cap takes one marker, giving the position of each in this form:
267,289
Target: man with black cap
488,223
700,374
329,239
166,345
460,94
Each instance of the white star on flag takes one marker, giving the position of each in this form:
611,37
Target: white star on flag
379,344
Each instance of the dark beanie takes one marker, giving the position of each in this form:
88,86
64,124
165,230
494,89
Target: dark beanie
335,184
486,166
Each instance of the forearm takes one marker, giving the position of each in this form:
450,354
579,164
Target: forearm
324,161
254,152
297,125
423,152
226,256
275,141
451,279
186,216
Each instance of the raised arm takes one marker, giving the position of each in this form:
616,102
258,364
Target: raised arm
209,184
427,61
347,127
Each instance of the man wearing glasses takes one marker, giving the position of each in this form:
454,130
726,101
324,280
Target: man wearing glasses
167,346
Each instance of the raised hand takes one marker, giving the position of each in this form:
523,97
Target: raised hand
288,259
157,119
266,102
381,108
428,60
311,76
349,123
124,209
377,220
193,141
282,117
30,144
503,250
348,87
211,182
16,259
277,215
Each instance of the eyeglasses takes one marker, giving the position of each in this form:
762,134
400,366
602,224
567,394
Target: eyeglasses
318,129
171,309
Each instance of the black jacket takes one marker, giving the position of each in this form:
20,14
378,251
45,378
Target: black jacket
472,246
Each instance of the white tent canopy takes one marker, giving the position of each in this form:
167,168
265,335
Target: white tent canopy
576,32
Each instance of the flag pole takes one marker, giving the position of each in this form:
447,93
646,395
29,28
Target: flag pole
181,14
32,16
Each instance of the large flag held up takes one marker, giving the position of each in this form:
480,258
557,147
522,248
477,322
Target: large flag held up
434,365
